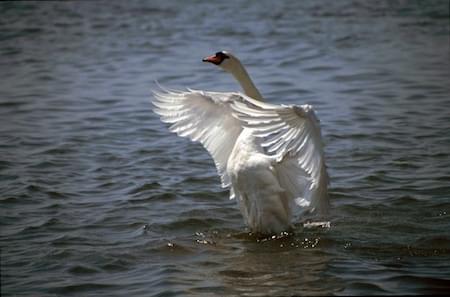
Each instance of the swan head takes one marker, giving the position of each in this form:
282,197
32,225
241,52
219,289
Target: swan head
224,60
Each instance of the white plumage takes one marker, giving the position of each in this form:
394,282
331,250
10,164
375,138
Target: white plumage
270,156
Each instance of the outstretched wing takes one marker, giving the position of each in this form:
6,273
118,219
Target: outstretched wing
291,134
205,117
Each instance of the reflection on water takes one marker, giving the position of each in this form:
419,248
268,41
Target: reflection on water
292,266
99,199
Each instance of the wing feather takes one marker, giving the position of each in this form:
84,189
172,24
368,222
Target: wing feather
205,117
292,135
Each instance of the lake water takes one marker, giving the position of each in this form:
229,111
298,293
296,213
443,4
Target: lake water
98,198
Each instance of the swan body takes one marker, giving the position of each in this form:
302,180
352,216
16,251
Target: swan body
270,156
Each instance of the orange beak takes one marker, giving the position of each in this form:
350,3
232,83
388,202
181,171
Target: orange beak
212,59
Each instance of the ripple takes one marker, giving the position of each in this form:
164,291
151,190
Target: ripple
357,287
82,270
116,265
238,273
82,288
145,187
192,223
421,284
434,242
153,198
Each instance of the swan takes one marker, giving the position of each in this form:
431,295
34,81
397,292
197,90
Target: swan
269,156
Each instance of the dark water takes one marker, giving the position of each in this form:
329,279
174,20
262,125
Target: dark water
99,199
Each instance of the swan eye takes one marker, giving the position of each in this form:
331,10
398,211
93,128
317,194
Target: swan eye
222,56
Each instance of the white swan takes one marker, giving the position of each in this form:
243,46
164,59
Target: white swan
270,156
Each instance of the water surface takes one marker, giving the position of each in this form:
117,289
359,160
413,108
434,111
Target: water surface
99,199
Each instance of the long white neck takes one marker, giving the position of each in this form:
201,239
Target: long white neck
241,75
